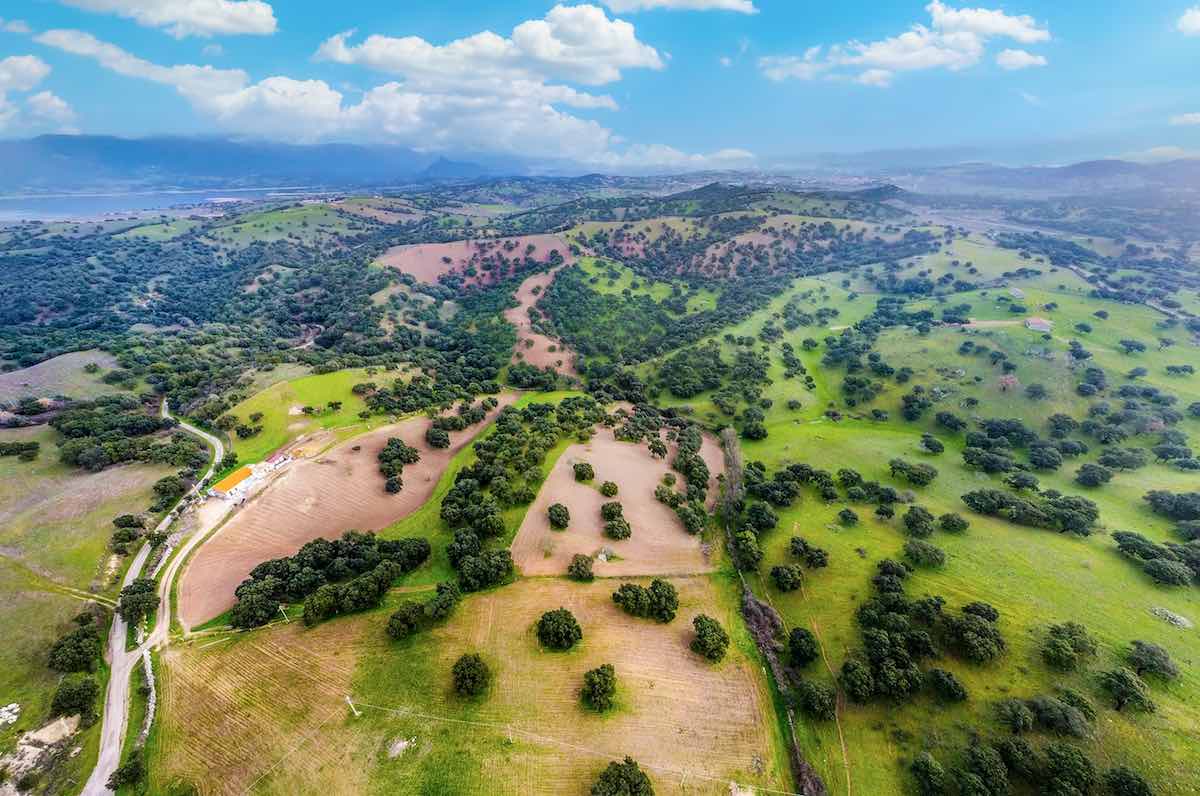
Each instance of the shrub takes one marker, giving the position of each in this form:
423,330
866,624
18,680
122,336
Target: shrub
711,640
1015,715
803,647
1124,781
131,772
583,471
848,517
930,776
437,437
600,687
558,629
946,685
923,554
611,511
816,701
1126,690
623,779
471,675
407,620
560,516
1067,770
76,694
953,523
1147,658
617,529
1065,644
77,651
660,601
609,489
1168,572
787,577
580,569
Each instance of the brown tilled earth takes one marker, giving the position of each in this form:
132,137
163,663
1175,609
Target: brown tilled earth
262,708
428,261
338,491
659,544
539,354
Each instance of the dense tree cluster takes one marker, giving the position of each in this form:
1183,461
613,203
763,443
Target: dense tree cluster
336,576
660,601
1049,509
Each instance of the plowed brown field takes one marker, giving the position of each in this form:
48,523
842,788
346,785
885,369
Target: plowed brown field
428,261
659,544
338,491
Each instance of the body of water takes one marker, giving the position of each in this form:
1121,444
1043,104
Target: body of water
61,207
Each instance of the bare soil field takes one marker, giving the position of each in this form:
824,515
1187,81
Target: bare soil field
62,375
694,727
659,544
492,258
539,353
232,708
385,210
337,491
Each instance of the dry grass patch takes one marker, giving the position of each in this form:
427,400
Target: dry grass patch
62,375
264,712
659,544
694,726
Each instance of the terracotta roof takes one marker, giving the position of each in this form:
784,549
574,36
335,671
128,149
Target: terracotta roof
233,479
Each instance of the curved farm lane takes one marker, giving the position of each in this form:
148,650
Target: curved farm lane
121,662
538,354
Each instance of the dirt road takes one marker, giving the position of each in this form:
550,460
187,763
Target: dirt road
121,662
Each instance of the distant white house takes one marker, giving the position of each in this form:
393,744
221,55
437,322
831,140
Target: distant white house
1039,325
1016,292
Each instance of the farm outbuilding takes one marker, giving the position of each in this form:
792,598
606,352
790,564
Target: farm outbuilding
232,485
1039,325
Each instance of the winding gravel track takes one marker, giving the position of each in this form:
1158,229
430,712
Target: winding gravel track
121,661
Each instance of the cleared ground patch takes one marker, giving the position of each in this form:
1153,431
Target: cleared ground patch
232,709
489,258
62,375
659,544
334,492
534,347
693,726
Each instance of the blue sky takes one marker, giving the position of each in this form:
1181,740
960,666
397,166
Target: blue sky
619,84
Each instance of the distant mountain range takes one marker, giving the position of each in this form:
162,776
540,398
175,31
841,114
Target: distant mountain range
74,163
1106,176
62,164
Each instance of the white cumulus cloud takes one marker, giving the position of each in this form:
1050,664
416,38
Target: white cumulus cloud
1186,119
627,6
954,40
49,107
457,100
182,18
1013,60
1189,23
577,43
18,73
987,23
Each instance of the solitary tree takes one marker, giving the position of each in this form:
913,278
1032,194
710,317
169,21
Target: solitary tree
471,675
623,779
600,687
711,640
558,629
